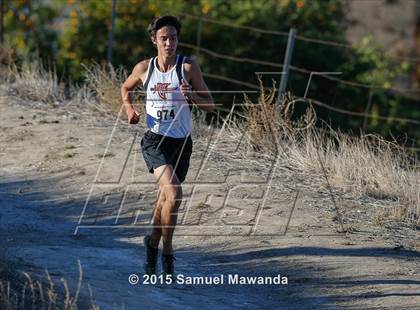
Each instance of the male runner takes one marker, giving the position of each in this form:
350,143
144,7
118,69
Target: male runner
172,84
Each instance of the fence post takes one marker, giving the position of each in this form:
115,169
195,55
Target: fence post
1,20
286,63
200,22
111,33
367,110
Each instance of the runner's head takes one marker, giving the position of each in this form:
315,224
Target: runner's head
164,32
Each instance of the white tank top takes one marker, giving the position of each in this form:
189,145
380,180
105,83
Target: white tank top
168,112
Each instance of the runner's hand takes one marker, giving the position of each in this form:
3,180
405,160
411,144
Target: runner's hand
133,117
186,89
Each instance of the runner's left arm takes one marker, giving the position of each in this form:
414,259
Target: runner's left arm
196,89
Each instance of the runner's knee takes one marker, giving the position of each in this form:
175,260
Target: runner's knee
173,195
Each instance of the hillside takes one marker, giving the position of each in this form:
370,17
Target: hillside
394,24
74,188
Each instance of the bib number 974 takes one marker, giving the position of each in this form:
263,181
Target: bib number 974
165,114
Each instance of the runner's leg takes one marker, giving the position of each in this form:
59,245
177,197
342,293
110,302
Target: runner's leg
172,191
157,230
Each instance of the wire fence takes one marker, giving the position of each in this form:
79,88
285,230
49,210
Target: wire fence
285,34
389,119
229,57
293,68
371,88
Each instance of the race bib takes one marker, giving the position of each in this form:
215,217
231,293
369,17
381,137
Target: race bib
165,116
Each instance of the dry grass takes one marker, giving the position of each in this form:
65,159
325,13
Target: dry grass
32,81
105,82
32,295
363,166
261,122
200,126
7,58
268,123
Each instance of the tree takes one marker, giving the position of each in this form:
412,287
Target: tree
30,28
81,31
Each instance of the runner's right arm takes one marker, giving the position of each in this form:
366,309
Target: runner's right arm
132,81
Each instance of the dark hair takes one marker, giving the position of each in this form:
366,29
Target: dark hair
160,22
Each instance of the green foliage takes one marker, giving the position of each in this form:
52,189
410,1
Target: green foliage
372,67
29,26
76,32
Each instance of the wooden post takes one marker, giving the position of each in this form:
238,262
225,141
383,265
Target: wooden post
200,22
369,104
111,33
1,20
286,63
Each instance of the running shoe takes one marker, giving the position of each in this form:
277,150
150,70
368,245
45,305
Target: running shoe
151,257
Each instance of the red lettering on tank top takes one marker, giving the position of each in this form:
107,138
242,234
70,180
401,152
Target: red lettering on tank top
162,89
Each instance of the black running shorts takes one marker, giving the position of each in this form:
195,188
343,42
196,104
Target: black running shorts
161,150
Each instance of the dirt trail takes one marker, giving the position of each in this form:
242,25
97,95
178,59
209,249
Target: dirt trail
61,175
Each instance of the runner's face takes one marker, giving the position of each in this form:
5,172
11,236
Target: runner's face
166,40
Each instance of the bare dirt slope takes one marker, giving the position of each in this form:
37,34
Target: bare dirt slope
67,169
